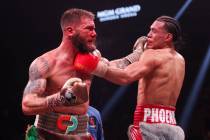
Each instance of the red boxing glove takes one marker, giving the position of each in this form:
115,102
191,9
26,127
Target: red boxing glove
91,63
86,62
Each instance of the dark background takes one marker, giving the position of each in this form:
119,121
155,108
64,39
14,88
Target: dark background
30,28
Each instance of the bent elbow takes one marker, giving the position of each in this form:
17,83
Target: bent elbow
26,110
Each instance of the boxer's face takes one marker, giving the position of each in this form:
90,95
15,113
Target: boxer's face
85,35
157,35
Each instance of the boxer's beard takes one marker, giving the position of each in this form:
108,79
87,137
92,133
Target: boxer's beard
80,43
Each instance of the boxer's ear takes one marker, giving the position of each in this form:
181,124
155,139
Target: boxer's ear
169,37
69,31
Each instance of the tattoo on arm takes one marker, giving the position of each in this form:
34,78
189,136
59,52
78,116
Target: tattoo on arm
35,86
37,72
38,69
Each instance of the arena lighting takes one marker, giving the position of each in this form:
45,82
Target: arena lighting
121,90
118,13
185,117
182,10
112,102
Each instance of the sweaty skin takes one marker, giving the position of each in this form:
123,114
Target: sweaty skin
160,70
49,72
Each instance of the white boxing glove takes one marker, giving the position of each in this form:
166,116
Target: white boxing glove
138,49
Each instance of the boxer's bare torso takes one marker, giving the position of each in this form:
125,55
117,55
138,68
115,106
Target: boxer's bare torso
47,75
160,70
163,83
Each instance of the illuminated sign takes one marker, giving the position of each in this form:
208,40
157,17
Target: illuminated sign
118,13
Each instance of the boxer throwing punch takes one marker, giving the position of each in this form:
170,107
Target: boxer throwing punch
56,93
160,72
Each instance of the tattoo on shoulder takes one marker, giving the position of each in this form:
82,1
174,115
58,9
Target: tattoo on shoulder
37,79
39,68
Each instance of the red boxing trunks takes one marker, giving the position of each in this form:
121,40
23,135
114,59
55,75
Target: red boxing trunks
154,114
150,114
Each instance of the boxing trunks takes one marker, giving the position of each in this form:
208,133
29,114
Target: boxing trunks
57,126
155,122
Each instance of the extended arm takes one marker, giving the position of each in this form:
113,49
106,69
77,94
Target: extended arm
135,71
131,73
138,49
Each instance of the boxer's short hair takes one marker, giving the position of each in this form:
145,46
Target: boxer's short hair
172,26
73,16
